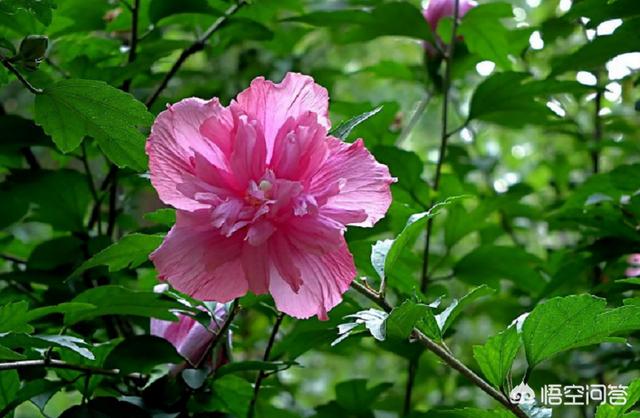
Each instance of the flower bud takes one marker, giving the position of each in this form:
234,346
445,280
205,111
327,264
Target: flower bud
190,338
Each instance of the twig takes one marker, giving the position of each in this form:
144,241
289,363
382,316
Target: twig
59,364
90,181
444,136
597,128
415,117
196,46
235,307
443,142
95,212
444,355
133,43
113,195
411,378
14,70
265,357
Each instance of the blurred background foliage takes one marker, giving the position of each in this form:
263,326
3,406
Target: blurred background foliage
543,116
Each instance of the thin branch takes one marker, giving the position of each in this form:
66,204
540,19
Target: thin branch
95,212
59,364
415,117
265,357
444,355
30,157
90,180
597,129
443,140
14,70
133,43
233,311
444,136
113,208
196,46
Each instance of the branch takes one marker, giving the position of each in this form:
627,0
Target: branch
415,117
597,128
14,70
196,46
133,43
443,354
235,307
59,364
265,357
444,136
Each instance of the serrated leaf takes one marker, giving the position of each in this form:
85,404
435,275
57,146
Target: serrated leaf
343,130
496,356
564,323
117,300
447,317
404,318
512,99
72,109
618,411
483,33
131,251
9,386
14,317
70,342
415,225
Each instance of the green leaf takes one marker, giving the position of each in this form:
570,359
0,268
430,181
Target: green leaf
407,237
59,198
117,300
141,353
131,251
159,9
62,308
72,109
618,411
40,389
491,263
372,319
70,342
9,386
14,317
485,35
254,365
564,323
512,99
496,356
343,130
354,396
41,9
596,53
232,394
357,25
162,216
404,318
9,354
447,317
105,407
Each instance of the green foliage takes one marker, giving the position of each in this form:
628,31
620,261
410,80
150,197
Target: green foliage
496,356
72,109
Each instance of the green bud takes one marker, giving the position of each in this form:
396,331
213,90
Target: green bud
32,50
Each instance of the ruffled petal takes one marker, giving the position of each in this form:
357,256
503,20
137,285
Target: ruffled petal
324,279
197,260
300,147
351,181
272,104
174,141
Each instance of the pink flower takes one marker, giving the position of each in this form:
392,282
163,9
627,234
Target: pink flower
634,269
264,196
439,9
190,338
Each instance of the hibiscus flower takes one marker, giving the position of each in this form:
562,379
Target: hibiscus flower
263,196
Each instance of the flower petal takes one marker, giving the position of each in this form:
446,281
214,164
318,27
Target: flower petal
324,279
272,104
190,338
174,140
363,184
197,260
